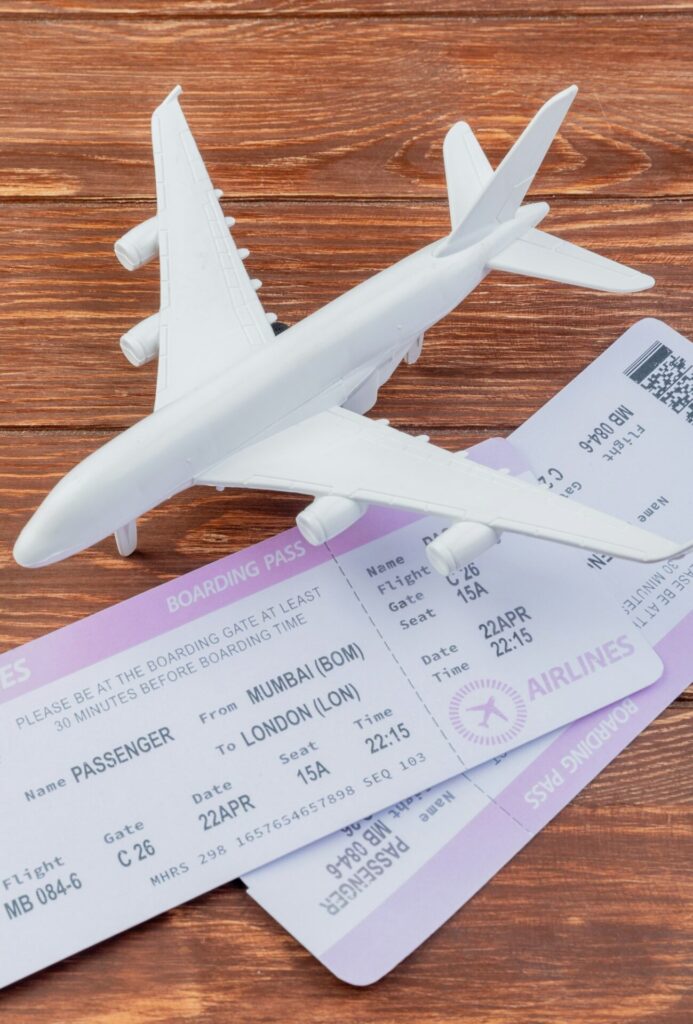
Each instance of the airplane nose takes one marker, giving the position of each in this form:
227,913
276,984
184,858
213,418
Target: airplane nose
81,510
112,486
29,549
23,550
47,537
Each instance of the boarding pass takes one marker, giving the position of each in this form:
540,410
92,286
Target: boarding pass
619,437
227,718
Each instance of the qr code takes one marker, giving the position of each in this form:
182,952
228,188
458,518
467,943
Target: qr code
669,378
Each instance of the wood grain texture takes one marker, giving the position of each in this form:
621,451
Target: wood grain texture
343,8
323,121
342,107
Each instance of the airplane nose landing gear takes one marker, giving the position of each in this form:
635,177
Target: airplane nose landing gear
126,539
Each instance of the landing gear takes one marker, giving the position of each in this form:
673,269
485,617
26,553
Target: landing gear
414,351
126,539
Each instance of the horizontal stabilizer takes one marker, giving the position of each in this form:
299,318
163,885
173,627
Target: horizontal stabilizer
539,254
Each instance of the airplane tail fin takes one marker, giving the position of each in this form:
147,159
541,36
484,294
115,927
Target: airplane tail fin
483,202
501,191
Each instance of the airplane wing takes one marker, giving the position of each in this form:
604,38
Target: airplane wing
210,314
341,453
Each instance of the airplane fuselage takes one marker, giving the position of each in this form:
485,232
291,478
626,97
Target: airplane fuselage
315,365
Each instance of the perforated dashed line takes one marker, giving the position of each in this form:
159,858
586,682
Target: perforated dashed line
500,807
422,701
394,657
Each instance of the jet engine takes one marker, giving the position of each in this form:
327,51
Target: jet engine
139,245
459,545
328,516
141,343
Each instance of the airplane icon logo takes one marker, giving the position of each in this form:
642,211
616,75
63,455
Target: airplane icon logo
498,715
487,709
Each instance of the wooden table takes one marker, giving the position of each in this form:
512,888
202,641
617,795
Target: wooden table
323,121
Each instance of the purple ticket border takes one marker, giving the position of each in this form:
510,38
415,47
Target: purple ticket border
145,616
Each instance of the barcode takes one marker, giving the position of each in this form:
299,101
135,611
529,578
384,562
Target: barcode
668,377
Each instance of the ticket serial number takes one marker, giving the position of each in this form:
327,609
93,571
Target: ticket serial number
304,811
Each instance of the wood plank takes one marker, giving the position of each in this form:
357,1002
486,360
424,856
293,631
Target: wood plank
64,302
342,8
326,107
591,922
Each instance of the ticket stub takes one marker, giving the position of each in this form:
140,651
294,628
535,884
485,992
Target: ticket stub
619,438
227,718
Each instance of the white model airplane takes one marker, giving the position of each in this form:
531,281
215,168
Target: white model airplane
238,406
